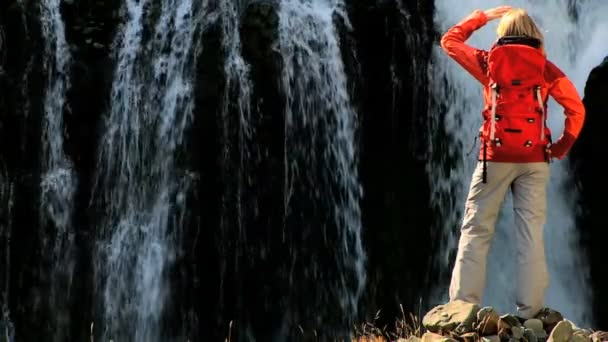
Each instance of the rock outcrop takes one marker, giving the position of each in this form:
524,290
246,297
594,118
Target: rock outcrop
461,321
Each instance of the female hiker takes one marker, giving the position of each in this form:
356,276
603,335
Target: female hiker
515,149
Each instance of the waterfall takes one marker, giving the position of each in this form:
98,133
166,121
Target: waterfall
58,183
237,71
6,212
573,31
240,151
140,188
322,192
6,195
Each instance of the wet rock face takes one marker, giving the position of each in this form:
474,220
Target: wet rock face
91,26
260,30
393,111
17,58
1,47
20,94
591,183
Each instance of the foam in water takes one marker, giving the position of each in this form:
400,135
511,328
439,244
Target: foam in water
321,150
139,184
58,183
576,47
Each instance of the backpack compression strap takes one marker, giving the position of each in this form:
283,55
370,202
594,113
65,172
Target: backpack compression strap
493,117
541,105
542,109
539,98
492,134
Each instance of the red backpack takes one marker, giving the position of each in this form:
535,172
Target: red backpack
515,118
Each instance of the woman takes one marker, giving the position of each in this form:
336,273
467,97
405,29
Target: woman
526,172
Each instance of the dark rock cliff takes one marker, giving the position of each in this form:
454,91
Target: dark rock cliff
586,167
235,262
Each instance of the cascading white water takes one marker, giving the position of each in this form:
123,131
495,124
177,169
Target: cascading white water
321,150
575,45
58,183
239,148
237,94
236,69
139,184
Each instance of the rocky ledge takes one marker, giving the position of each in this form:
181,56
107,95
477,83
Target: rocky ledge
461,321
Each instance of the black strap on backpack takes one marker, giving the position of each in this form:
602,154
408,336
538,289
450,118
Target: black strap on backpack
522,40
484,175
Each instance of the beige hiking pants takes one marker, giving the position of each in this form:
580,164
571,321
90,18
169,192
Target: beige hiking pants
527,182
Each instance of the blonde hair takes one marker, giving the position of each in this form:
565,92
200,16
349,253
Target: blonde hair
517,22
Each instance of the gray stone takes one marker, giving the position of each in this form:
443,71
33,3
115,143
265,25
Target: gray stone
580,335
599,336
457,316
469,337
509,320
517,332
534,324
506,323
530,335
550,318
487,321
490,338
432,337
562,332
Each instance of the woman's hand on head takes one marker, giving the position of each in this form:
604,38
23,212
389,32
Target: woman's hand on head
496,12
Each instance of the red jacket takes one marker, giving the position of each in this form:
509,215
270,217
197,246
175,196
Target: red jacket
559,87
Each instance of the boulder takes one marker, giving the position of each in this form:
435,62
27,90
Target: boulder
259,30
550,318
599,336
536,326
491,338
457,316
487,321
432,337
562,332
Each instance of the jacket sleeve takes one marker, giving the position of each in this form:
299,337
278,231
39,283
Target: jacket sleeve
564,92
453,43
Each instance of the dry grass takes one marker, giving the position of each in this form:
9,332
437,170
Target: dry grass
405,327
